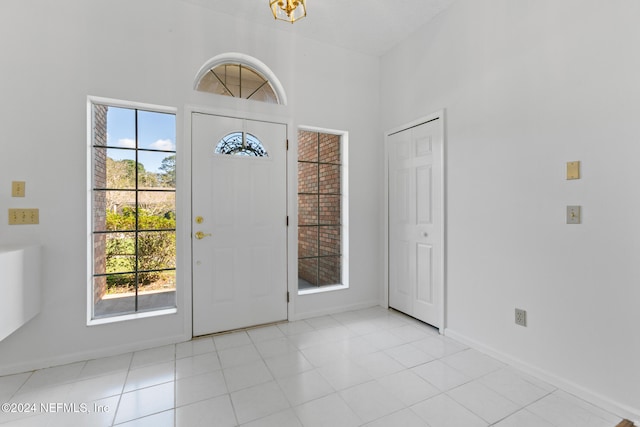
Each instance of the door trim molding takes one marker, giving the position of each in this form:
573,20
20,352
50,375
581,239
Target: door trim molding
184,162
438,115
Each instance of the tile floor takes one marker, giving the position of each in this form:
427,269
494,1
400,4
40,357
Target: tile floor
370,367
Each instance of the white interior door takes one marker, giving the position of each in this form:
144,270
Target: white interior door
239,206
415,221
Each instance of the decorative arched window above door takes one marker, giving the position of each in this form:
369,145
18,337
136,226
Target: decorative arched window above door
241,144
240,76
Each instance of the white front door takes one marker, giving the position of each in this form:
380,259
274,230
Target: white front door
415,221
239,243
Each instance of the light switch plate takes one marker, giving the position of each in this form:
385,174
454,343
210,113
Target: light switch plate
17,188
573,214
573,170
24,216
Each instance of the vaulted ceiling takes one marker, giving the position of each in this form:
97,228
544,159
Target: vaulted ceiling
366,26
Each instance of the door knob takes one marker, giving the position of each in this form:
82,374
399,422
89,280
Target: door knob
200,235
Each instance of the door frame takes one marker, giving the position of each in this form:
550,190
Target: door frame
185,197
438,115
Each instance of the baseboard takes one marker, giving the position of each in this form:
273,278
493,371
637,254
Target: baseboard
334,310
66,359
621,410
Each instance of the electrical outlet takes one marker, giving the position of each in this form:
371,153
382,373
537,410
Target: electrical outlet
521,317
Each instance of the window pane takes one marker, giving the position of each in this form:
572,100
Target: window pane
251,82
121,284
229,76
330,179
265,94
156,131
307,273
329,209
307,210
121,127
119,297
209,83
329,148
149,173
307,178
329,271
167,172
307,242
161,281
160,294
330,243
121,168
121,252
118,209
156,250
156,281
161,205
307,146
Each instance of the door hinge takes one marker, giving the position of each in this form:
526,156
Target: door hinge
287,296
287,220
287,144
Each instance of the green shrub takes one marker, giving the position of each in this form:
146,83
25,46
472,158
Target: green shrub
156,249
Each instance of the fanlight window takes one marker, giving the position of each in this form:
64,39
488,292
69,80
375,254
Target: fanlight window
237,81
241,144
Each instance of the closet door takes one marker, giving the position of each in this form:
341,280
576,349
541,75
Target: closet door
415,221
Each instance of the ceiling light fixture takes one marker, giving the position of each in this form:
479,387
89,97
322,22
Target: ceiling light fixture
288,10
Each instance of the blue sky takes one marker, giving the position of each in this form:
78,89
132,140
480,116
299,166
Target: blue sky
155,131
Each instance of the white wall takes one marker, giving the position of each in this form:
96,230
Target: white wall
527,87
55,54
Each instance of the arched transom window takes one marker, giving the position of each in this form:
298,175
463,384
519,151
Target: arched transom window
240,76
241,144
238,81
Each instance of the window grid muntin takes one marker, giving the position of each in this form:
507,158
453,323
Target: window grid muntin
137,272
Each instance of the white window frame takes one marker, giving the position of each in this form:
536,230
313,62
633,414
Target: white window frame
344,191
91,101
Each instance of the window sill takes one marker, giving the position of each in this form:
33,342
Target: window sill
122,318
322,289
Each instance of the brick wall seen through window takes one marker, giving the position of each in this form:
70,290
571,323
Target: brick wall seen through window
319,209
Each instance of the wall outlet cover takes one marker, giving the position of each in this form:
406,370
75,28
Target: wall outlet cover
573,170
521,317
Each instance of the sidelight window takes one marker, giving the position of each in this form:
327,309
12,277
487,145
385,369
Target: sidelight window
321,210
133,210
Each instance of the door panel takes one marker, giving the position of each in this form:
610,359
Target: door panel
415,221
424,287
239,266
424,202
